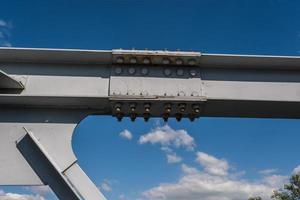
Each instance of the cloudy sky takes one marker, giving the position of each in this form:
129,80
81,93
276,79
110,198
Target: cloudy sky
211,158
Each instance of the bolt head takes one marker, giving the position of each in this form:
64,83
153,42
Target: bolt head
118,70
193,72
182,107
131,70
165,117
133,60
146,116
132,117
178,117
168,110
120,60
179,61
192,118
167,72
146,61
119,117
166,61
144,71
192,62
180,72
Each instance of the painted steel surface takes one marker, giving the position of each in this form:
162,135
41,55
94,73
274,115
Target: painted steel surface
48,91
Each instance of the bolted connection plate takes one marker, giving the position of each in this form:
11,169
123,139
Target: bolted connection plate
157,107
146,57
156,84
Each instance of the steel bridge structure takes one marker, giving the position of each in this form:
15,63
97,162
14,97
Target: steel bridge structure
45,93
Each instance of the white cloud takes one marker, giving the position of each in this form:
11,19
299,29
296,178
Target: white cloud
173,158
211,184
197,184
13,196
205,186
126,134
275,181
41,190
3,23
105,186
168,137
268,171
122,197
5,44
212,165
5,28
167,149
188,170
297,170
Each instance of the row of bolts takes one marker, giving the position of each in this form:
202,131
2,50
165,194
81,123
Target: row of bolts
165,61
165,116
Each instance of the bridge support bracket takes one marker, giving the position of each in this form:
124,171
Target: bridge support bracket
71,183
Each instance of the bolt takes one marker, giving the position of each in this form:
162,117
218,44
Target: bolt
133,60
192,117
118,70
196,108
119,117
182,107
193,72
168,107
120,60
192,62
165,117
166,61
144,71
180,72
179,61
167,72
118,107
131,70
147,107
146,116
132,117
178,117
132,107
146,61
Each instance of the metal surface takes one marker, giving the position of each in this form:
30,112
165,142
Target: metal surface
70,183
51,90
9,83
46,169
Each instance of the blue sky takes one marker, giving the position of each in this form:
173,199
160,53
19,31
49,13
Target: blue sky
259,153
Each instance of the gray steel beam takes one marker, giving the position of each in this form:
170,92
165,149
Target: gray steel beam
83,79
45,169
61,87
9,83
